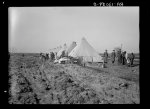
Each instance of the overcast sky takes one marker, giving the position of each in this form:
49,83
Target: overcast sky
38,29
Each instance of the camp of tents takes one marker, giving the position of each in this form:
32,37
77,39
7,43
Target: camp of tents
82,50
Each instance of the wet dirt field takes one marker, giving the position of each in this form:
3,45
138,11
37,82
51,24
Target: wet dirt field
32,81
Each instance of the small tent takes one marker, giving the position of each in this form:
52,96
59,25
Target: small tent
63,49
71,47
86,51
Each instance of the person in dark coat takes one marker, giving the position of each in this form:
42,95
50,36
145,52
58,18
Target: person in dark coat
123,58
52,56
113,55
132,58
105,56
47,57
119,56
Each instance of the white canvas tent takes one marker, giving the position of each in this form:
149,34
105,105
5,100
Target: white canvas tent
85,50
61,50
71,47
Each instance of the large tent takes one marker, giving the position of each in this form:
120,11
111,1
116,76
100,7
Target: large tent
85,50
71,47
63,49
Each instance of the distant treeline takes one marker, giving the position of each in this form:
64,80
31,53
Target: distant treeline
25,54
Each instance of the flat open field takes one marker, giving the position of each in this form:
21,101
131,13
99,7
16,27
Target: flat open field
35,82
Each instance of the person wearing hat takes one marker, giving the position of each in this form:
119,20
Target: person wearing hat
113,55
105,56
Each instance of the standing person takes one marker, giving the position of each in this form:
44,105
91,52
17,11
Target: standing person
127,59
119,56
52,56
123,58
47,57
132,58
105,56
113,55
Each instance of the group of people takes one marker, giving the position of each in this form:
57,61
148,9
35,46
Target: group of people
121,57
51,56
46,56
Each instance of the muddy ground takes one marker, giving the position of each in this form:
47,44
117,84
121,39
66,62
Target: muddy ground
32,81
